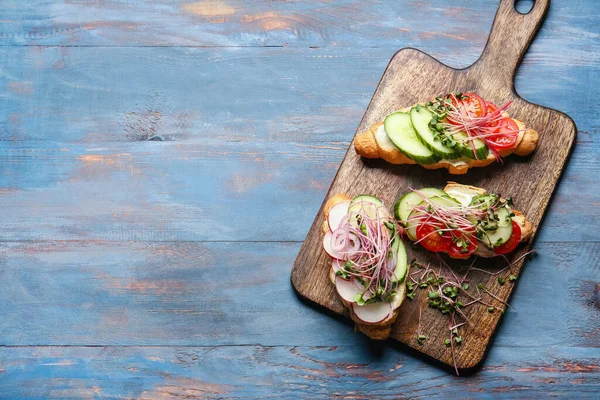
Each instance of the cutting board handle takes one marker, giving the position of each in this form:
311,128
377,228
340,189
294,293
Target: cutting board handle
511,34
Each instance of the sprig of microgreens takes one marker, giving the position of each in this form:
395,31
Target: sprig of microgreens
490,219
449,294
449,107
438,113
365,238
469,221
453,218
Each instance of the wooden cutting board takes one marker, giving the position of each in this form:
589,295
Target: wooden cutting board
411,77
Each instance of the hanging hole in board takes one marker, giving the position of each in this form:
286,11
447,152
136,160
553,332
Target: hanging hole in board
524,6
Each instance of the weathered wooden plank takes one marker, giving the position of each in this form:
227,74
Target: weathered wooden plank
459,27
290,373
123,94
208,294
255,147
163,191
211,190
239,23
82,100
96,95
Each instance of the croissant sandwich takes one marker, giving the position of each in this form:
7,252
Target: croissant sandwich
369,263
457,131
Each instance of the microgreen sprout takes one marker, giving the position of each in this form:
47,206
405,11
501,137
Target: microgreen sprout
449,295
452,116
364,240
464,224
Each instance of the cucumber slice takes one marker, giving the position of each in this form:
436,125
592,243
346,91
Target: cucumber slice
466,149
362,200
498,237
442,201
370,204
430,192
367,199
402,260
400,131
406,203
420,119
484,201
504,217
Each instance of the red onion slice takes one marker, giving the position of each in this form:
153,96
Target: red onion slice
337,213
339,240
328,249
353,243
372,313
344,242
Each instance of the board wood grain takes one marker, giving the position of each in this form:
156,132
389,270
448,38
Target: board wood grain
413,76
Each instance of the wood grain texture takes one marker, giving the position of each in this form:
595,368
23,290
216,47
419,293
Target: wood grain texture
273,151
73,189
413,77
104,239
237,23
454,32
322,372
94,95
127,293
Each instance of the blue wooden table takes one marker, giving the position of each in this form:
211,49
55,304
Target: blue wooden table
161,162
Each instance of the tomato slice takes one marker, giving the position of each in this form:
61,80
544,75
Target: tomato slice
456,103
456,251
470,106
507,134
491,108
430,238
476,106
512,242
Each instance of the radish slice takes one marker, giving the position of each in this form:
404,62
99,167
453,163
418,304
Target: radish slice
372,313
347,289
336,265
337,214
327,245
